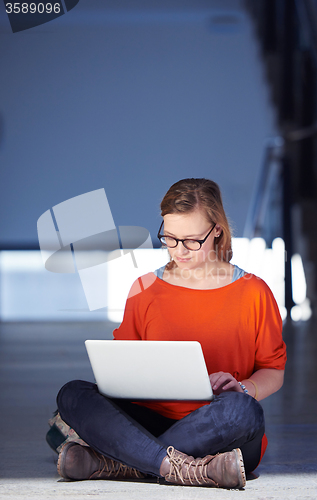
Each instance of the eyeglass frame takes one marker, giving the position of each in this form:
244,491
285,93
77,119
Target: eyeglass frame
201,242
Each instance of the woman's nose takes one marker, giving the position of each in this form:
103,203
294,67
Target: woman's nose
181,250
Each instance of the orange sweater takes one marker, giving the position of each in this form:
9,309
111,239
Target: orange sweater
239,326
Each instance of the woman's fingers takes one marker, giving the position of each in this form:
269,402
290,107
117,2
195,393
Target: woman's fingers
219,379
215,379
221,382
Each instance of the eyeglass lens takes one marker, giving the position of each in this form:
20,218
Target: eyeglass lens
172,243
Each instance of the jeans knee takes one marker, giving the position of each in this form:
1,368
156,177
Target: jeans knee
257,408
244,410
69,394
254,415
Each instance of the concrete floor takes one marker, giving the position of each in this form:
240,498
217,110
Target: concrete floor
36,359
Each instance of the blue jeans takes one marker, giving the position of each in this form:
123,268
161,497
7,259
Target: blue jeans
138,437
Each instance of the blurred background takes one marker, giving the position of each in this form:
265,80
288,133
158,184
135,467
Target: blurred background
130,97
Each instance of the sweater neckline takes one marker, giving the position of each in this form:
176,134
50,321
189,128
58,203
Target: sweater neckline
232,284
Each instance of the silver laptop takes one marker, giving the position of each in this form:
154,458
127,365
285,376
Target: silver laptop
163,370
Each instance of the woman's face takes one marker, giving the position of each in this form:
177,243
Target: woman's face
193,225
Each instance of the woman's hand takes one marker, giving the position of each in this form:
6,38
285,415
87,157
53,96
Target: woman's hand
223,382
260,385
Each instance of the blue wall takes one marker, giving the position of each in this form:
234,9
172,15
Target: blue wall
130,100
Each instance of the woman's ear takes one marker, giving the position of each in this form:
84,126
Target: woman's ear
218,230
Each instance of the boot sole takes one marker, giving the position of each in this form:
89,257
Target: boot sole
61,460
240,463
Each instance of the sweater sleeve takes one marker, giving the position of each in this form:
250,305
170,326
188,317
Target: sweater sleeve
132,326
270,349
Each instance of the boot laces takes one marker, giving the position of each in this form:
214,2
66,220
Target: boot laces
182,467
113,468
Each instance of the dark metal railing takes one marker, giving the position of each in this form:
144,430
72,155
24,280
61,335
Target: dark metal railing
287,32
262,196
307,15
274,190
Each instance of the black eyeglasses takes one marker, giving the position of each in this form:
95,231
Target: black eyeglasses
171,242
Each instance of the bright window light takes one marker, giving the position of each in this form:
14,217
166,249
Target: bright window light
306,310
296,313
256,255
122,273
19,260
29,292
298,280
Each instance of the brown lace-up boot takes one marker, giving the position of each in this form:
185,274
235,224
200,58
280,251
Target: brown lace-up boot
81,462
225,470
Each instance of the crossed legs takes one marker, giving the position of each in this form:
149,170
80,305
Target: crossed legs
139,437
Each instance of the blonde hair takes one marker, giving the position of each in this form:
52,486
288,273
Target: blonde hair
188,195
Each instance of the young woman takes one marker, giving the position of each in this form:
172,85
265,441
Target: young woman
200,296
